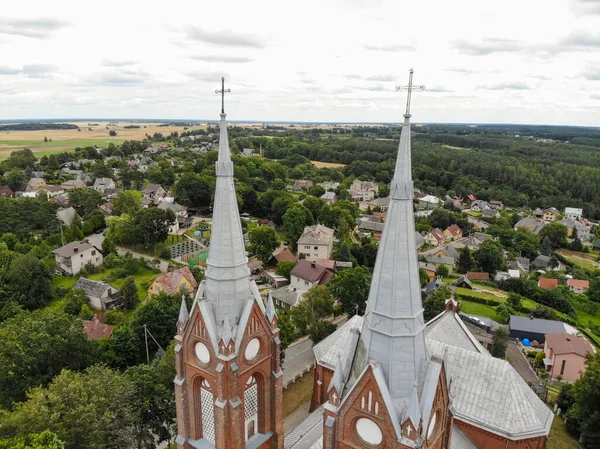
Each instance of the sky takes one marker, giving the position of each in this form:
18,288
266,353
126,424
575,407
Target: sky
525,61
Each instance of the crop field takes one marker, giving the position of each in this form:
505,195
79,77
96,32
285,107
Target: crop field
320,164
69,139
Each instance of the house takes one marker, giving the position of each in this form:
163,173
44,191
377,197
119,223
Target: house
73,184
101,184
432,286
284,255
435,237
101,295
275,279
490,213
429,202
448,262
68,216
550,214
285,297
548,283
565,355
538,213
329,197
302,184
574,213
453,232
479,205
6,192
316,242
582,231
381,203
370,225
455,202
329,185
34,184
522,263
429,268
74,256
96,329
306,275
419,240
478,276
106,209
173,282
154,192
541,262
578,285
51,191
495,204
363,190
179,211
536,329
464,282
478,225
471,197
530,224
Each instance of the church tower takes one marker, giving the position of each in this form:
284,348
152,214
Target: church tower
389,395
228,386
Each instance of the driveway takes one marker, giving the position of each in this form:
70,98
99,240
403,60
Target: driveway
519,362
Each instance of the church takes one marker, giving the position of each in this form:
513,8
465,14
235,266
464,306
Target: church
387,380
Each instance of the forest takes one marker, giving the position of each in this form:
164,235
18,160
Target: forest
36,126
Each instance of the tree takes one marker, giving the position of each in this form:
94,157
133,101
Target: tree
94,409
435,303
314,205
504,311
465,260
566,397
295,220
263,241
127,202
129,293
85,200
28,281
21,159
343,253
515,301
309,316
557,234
316,190
442,271
284,268
423,277
42,440
546,248
112,133
151,226
499,343
75,300
489,257
194,190
35,347
15,179
198,273
351,288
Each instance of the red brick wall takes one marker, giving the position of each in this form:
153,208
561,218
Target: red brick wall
483,439
319,395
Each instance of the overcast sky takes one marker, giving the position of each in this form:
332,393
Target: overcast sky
525,61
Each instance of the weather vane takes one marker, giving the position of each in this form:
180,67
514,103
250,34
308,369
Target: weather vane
409,88
223,92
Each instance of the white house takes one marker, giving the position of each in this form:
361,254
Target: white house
429,202
573,212
101,184
179,211
363,190
101,295
72,257
306,275
316,242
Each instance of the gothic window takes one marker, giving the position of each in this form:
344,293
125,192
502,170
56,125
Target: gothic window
208,412
251,407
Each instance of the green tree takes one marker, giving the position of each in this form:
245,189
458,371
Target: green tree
288,331
351,288
504,311
499,343
314,205
546,248
315,307
435,303
284,268
129,294
194,190
442,271
489,257
151,226
465,260
28,281
557,234
295,220
21,159
15,179
75,300
423,277
280,207
35,347
316,191
127,202
344,253
514,300
263,241
42,440
85,200
112,133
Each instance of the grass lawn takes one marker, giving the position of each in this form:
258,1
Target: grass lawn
474,308
473,213
298,393
559,437
143,279
64,281
465,291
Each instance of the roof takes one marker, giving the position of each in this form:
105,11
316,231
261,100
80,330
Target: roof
370,225
308,434
478,276
67,215
489,213
287,295
286,255
378,202
463,279
328,350
454,230
92,288
94,329
327,263
531,224
440,260
541,261
479,223
172,206
459,440
151,188
102,182
70,249
329,196
438,234
52,188
548,283
578,283
448,328
430,199
316,235
308,271
170,281
563,343
496,202
6,191
573,211
537,325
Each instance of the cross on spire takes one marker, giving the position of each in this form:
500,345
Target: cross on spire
223,92
409,88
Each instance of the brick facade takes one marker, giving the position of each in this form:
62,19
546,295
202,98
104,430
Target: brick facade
226,376
483,439
323,376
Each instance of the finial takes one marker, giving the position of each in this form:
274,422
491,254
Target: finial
223,92
183,312
409,88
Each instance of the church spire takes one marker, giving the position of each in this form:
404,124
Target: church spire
393,329
227,285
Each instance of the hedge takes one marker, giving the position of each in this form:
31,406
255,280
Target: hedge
487,302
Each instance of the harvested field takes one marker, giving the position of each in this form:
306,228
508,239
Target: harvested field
320,164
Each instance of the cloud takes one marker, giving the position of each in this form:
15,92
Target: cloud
208,76
591,73
115,79
39,70
222,58
462,70
437,89
33,28
8,71
585,7
374,88
223,38
386,78
118,63
392,48
581,40
595,96
507,86
487,46
540,77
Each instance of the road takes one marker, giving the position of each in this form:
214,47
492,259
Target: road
520,364
297,358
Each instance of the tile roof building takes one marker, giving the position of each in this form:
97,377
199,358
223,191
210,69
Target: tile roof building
94,329
565,355
316,242
173,282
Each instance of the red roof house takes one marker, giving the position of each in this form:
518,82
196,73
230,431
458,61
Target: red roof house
548,283
578,285
478,276
95,329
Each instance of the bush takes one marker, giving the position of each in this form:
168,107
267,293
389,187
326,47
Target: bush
112,260
114,317
539,360
87,312
165,253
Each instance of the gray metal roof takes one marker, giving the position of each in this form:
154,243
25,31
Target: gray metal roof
328,350
316,235
459,440
93,288
307,433
536,325
72,248
448,328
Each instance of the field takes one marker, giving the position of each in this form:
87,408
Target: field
320,164
582,260
69,139
559,438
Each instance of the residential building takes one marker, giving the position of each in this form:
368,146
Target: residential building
429,202
6,192
435,237
478,225
548,283
575,227
302,184
541,262
329,197
316,242
478,276
453,232
363,190
530,224
306,275
154,192
174,281
490,213
495,204
180,214
565,356
479,205
578,285
101,295
574,213
536,329
329,185
34,184
68,216
74,256
464,282
370,225
73,184
96,329
101,184
381,203
550,214
51,191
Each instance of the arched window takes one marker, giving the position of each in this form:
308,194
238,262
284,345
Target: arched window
251,407
205,413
